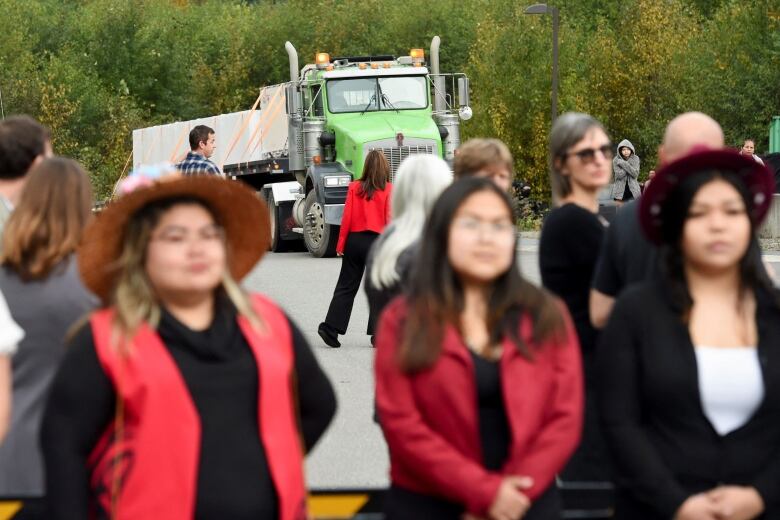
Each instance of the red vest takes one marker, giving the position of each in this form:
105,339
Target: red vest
154,469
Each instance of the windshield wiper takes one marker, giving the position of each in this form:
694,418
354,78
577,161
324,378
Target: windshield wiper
385,99
370,101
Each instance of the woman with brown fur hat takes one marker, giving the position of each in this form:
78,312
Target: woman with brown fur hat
183,397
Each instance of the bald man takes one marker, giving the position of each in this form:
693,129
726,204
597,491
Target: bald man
626,256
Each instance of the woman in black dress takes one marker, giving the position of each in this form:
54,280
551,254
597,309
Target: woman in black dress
580,155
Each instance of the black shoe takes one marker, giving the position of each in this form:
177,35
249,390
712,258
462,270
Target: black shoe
372,341
330,338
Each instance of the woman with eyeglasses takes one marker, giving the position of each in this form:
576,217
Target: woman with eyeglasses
478,374
183,396
580,166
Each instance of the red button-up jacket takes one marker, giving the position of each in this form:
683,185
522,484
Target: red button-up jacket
431,421
364,215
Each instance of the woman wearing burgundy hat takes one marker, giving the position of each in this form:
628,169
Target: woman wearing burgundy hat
689,368
184,397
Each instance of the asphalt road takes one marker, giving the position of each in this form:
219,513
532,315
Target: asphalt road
352,452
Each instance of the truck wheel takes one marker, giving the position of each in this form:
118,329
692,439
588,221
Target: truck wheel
277,244
320,238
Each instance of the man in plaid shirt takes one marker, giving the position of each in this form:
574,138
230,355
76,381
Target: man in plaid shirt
202,146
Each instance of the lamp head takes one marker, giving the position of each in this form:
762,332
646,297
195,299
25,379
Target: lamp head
538,9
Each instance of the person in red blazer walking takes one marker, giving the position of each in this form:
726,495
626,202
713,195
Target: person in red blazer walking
478,373
366,213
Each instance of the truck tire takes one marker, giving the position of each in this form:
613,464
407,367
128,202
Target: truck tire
277,244
320,238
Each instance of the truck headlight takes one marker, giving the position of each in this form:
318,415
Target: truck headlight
337,180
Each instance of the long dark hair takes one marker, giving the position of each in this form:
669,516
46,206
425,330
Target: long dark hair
753,276
435,296
376,172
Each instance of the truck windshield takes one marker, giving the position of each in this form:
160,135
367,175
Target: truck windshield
372,94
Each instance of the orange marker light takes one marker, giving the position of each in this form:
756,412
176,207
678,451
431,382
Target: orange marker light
417,54
374,65
361,66
322,59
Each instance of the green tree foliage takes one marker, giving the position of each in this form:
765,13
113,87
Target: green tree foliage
93,70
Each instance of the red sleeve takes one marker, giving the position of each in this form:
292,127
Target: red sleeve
560,435
389,205
409,438
346,218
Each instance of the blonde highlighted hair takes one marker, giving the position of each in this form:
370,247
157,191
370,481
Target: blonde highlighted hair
47,223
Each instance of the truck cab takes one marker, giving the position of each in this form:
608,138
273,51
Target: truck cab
340,109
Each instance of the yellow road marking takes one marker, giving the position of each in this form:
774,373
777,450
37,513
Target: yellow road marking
9,509
339,506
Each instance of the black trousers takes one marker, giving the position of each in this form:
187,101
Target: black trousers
352,266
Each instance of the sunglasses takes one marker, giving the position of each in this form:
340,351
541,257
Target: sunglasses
588,154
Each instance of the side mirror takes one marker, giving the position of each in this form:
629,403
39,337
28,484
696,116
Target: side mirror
463,91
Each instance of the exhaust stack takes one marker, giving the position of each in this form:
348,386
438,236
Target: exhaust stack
439,85
293,55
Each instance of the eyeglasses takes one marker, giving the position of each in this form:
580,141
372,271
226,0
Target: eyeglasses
177,236
477,226
589,154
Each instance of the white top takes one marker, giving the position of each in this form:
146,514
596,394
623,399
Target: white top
10,333
731,385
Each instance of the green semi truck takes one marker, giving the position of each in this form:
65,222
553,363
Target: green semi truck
303,141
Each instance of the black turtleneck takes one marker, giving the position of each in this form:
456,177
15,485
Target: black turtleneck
221,375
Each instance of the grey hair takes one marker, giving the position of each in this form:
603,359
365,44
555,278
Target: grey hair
569,129
419,182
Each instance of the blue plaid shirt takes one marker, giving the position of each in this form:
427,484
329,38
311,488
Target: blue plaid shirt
196,164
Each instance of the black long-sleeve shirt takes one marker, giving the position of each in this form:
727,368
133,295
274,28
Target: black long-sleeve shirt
663,446
221,375
568,250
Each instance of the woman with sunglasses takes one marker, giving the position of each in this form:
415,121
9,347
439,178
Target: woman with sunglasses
580,166
478,375
689,365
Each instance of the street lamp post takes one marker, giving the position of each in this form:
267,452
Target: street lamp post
551,10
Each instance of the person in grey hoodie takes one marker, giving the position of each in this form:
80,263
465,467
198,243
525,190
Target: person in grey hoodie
625,170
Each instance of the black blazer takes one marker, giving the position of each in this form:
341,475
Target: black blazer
664,447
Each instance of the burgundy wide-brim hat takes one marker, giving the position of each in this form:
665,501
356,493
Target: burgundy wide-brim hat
755,175
237,208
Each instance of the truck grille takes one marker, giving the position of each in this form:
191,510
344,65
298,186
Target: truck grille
396,154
